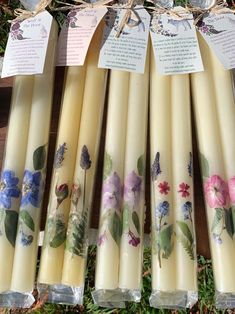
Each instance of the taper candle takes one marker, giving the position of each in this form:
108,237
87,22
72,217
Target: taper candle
130,272
182,188
51,263
107,262
12,173
163,251
74,265
213,171
25,258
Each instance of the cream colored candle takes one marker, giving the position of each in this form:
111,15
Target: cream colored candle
51,262
130,273
225,105
14,161
74,265
107,262
24,266
163,252
182,186
212,165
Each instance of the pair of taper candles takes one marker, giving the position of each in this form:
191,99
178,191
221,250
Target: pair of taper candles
174,274
214,109
24,169
120,244
63,259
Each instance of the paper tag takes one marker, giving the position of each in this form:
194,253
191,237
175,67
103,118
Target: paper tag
175,44
27,46
76,35
128,51
219,32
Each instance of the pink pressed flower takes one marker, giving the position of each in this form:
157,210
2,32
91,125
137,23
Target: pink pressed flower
134,241
183,189
164,187
102,238
231,187
216,191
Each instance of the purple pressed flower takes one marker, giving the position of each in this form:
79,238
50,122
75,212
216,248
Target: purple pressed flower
85,161
59,156
112,192
62,192
8,188
102,238
162,209
132,189
217,238
134,241
32,188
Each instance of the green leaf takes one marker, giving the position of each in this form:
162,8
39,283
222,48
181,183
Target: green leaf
125,218
115,227
204,165
27,219
229,222
107,165
59,235
141,165
217,218
136,221
233,214
39,158
189,248
10,224
185,230
165,241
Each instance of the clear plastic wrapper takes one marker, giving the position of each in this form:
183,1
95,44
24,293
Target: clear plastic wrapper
25,256
214,110
70,286
174,266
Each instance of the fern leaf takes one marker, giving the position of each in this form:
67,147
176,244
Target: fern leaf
189,248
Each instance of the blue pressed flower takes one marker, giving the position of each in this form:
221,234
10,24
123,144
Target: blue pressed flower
190,165
32,188
162,209
25,239
187,209
85,161
8,188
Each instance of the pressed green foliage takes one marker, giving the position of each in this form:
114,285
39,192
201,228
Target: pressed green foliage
217,218
39,158
60,234
10,225
107,165
204,165
229,222
165,241
27,219
125,218
115,227
185,230
141,166
77,241
136,221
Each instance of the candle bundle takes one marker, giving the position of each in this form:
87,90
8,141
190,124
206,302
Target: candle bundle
66,283
120,242
12,174
173,238
25,257
214,110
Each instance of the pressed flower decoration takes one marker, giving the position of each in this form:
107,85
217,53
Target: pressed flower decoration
77,241
32,193
9,190
218,196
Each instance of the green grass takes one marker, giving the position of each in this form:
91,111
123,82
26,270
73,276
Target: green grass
204,305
